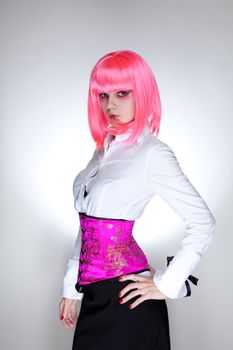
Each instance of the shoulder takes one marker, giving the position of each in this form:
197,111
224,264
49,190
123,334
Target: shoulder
158,149
161,159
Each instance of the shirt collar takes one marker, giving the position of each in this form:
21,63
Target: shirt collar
124,135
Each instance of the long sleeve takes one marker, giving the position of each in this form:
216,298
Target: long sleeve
165,177
70,278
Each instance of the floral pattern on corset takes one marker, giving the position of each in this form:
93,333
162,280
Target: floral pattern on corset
108,249
90,248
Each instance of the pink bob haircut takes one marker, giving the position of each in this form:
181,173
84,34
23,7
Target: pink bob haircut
123,70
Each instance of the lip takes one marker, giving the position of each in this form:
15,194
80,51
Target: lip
112,116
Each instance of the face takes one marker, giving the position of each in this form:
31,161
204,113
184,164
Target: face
118,106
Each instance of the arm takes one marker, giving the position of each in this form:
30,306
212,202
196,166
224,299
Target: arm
71,275
70,278
165,177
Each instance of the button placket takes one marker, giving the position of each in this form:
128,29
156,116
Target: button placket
93,173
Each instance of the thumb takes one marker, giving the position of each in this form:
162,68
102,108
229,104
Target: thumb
151,269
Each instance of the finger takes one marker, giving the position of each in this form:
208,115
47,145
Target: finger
71,312
152,269
138,301
133,276
65,316
133,285
71,323
68,323
72,316
133,294
67,311
61,312
61,307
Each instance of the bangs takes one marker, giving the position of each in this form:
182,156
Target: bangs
112,75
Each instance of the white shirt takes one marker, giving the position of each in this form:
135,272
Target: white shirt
120,180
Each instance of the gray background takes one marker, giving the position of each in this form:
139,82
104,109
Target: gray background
48,51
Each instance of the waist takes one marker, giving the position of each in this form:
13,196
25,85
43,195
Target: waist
108,249
103,228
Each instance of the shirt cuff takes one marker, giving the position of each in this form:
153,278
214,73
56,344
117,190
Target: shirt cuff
68,290
161,285
174,281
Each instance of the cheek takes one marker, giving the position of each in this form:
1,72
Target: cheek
128,104
103,106
130,107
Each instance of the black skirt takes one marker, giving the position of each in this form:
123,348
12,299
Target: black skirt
104,323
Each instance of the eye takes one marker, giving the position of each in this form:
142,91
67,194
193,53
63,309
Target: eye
103,95
123,93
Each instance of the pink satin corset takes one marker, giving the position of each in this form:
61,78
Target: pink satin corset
108,249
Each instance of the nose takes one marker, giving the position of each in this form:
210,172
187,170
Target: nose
111,104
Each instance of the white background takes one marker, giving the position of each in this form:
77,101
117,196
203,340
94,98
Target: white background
48,51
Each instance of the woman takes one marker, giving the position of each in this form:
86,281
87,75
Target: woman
129,166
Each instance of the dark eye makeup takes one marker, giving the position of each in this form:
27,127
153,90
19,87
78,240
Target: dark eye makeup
103,95
125,93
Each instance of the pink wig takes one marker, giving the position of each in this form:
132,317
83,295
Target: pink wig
123,70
